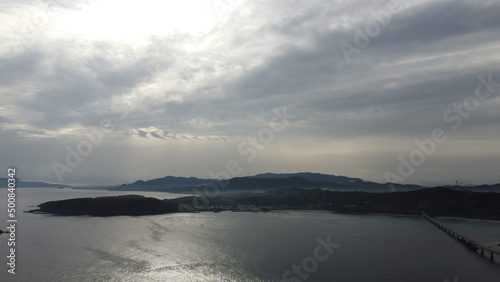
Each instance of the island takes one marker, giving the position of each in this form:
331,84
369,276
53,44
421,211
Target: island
107,206
437,201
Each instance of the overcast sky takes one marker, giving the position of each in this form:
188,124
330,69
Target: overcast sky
108,91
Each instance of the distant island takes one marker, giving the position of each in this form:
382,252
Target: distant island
273,181
29,184
434,201
258,183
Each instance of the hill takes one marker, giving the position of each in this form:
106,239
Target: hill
434,201
159,184
310,176
261,183
31,184
107,206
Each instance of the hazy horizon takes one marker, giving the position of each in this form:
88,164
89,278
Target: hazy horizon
130,181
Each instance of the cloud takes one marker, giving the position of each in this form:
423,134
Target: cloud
156,135
200,78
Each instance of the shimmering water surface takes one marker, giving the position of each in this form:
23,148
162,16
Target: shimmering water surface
230,246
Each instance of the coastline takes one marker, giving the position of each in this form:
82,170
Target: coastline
466,218
389,214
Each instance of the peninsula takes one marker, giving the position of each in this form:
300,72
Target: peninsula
434,201
107,206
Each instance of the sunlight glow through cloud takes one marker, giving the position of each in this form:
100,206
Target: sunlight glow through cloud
139,20
186,74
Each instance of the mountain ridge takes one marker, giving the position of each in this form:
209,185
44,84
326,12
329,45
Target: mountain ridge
257,183
32,184
309,176
273,181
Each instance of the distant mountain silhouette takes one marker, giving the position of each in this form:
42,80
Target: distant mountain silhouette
261,183
476,188
310,176
266,184
258,183
274,181
31,184
162,183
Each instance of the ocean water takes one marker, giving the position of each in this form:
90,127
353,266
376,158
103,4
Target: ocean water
235,246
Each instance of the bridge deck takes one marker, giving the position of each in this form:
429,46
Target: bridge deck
462,238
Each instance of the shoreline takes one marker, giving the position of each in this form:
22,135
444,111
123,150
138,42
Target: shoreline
469,219
391,214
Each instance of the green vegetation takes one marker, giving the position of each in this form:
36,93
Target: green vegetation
107,206
434,201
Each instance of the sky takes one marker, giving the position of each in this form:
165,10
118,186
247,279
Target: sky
107,91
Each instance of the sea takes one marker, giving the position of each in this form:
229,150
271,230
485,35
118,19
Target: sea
236,246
